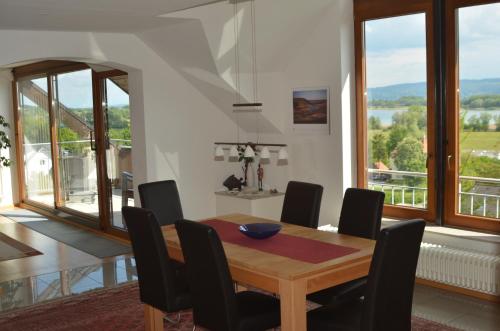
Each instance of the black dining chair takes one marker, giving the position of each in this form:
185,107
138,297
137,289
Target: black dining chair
160,285
302,204
216,305
163,199
361,216
388,300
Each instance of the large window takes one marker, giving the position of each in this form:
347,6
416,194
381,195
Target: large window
474,115
413,87
395,101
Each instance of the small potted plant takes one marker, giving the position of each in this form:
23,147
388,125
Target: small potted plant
246,160
4,142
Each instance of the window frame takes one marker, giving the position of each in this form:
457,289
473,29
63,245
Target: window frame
452,217
365,10
47,70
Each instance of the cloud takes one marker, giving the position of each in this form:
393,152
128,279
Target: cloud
398,66
396,47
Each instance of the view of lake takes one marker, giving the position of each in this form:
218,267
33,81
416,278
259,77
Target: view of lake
385,115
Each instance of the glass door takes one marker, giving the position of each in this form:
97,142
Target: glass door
395,112
473,169
118,144
35,140
75,140
74,143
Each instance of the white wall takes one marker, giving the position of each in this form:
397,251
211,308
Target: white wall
299,44
173,125
182,88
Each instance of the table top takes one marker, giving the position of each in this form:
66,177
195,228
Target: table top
280,267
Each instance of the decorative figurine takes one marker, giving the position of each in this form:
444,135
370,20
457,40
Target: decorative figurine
260,176
232,183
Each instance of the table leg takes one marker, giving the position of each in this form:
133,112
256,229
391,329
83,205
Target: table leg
153,318
293,305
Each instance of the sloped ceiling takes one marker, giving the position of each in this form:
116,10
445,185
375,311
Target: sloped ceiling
89,15
200,44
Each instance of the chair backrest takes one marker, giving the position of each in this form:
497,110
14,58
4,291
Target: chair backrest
154,267
163,199
389,294
212,291
302,204
361,213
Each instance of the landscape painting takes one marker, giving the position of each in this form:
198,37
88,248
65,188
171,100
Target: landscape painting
310,106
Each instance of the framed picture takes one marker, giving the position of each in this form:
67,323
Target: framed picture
311,110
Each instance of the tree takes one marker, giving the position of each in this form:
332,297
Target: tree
68,138
473,124
485,119
409,156
374,123
497,123
379,149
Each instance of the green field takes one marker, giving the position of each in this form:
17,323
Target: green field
487,141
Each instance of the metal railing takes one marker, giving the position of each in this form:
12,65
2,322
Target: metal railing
470,203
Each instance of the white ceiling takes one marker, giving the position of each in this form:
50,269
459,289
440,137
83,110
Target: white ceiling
90,15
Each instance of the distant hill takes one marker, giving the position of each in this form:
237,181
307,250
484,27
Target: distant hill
468,87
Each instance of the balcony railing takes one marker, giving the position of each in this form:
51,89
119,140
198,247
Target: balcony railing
469,203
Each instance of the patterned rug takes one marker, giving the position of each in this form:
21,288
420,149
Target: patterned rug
110,310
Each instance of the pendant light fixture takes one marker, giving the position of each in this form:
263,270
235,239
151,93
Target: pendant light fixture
239,106
233,152
219,152
249,152
264,153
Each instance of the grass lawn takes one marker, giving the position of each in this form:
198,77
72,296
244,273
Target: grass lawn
488,141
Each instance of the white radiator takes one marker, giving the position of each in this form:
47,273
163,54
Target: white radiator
471,270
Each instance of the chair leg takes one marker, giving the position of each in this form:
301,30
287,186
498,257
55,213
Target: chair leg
168,319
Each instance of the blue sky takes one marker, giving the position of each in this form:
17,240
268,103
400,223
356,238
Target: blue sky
75,90
396,47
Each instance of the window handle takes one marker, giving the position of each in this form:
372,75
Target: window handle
449,160
92,144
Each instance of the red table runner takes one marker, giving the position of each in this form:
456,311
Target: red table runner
297,248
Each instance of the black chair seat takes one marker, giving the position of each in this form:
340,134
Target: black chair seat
360,216
302,204
216,305
340,293
162,198
163,282
182,299
387,302
338,317
257,311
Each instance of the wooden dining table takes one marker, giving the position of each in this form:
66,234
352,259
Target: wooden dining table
292,279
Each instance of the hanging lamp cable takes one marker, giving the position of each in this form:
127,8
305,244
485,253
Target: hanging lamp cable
237,66
254,64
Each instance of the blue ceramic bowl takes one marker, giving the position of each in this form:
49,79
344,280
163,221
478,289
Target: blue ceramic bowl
260,230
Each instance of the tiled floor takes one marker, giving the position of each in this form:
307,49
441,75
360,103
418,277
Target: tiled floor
432,304
36,289
63,270
455,310
55,255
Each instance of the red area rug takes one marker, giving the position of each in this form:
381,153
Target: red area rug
114,309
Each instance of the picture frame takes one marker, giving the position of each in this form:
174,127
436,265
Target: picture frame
311,110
